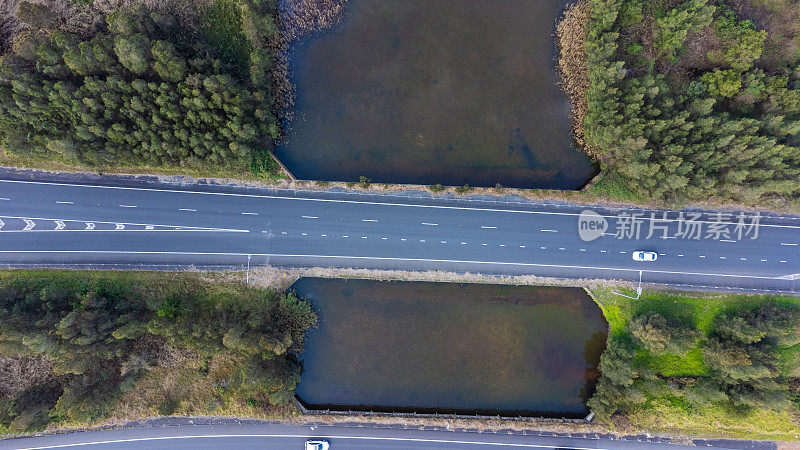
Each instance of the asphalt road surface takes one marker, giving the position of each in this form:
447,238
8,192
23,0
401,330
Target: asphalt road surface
286,437
152,225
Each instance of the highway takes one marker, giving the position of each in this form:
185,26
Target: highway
141,224
262,436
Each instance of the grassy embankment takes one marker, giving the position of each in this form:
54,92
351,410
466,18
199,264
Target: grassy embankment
82,348
669,407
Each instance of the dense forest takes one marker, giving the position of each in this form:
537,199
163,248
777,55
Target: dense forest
702,359
142,86
695,99
81,347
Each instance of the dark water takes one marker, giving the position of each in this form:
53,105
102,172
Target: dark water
434,91
450,348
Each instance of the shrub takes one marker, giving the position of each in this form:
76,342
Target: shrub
659,335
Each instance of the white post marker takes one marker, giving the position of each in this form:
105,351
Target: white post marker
638,289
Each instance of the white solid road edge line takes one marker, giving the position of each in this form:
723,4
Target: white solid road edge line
358,202
382,258
303,436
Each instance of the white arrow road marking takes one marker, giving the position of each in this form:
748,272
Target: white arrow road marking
90,225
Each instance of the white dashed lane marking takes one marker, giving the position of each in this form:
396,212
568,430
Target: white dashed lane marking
128,206
310,217
188,210
549,231
430,224
249,214
64,203
488,228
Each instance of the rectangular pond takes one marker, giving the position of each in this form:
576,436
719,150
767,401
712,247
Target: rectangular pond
434,91
450,348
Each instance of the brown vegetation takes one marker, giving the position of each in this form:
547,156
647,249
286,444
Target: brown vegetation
571,38
298,18
18,373
302,17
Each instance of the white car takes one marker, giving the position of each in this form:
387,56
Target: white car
644,256
317,445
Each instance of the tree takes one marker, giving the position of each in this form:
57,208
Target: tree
659,335
167,63
674,25
741,43
705,391
133,53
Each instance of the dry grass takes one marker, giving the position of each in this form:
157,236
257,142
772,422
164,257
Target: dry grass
302,17
571,34
280,279
18,373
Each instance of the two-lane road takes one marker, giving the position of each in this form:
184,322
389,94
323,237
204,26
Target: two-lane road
156,225
263,436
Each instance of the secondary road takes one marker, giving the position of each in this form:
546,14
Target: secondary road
154,225
292,437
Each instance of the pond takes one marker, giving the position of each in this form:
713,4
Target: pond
450,348
434,91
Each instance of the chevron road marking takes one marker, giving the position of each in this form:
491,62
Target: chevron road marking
29,224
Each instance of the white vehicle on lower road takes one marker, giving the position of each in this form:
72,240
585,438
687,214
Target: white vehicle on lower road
317,445
644,256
